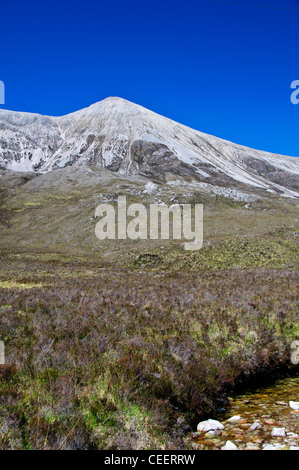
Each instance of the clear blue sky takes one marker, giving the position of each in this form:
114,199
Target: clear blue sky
219,66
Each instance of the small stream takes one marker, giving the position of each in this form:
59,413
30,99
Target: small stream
268,407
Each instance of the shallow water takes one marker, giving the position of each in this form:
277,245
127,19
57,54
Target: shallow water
269,406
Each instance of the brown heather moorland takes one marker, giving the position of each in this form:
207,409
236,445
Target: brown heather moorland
129,344
102,356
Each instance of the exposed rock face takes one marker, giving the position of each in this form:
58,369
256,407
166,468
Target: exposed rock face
130,140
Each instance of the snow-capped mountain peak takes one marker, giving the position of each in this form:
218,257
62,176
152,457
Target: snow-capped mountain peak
128,139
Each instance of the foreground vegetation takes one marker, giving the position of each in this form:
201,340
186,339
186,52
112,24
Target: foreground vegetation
102,356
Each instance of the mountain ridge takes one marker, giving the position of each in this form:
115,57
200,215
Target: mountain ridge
130,140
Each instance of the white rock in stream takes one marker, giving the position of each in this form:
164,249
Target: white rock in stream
279,446
234,419
209,425
294,405
254,426
278,432
268,447
229,446
211,434
252,446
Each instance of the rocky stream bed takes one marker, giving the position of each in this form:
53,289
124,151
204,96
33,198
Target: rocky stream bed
264,419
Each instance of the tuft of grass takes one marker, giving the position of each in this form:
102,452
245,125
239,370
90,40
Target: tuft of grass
14,284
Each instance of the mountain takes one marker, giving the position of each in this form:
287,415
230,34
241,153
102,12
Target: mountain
131,141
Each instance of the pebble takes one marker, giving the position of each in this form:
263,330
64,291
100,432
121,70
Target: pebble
278,432
268,447
242,421
209,425
211,434
294,405
229,446
234,419
255,425
270,422
252,446
245,426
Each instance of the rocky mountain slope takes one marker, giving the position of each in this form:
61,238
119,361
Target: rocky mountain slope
132,141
